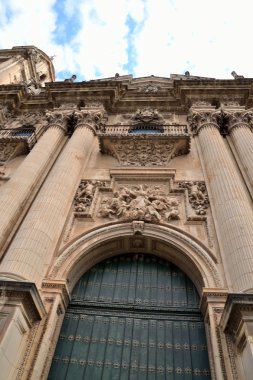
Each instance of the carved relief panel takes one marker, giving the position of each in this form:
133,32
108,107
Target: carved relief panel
149,203
133,195
145,201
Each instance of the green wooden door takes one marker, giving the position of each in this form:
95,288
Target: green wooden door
132,317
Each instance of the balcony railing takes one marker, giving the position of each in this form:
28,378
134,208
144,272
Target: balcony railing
23,134
167,130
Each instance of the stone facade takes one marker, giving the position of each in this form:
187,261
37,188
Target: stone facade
123,165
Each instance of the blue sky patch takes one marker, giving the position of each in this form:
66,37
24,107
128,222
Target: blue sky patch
66,26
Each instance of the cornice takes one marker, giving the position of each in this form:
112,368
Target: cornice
123,96
236,306
26,293
52,287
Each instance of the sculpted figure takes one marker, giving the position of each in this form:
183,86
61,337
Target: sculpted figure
196,193
173,212
105,210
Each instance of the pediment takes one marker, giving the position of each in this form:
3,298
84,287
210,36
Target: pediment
150,84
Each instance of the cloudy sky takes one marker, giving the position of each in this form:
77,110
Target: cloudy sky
98,38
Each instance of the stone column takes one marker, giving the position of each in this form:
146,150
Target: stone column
230,203
33,248
239,122
19,191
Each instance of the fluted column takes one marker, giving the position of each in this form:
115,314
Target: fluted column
33,247
21,188
232,208
239,124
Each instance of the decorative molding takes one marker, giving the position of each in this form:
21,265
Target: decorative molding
150,175
232,356
216,316
31,339
169,234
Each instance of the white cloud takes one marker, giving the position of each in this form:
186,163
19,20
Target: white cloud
206,38
31,23
209,38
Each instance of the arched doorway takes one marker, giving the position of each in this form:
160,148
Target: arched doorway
133,316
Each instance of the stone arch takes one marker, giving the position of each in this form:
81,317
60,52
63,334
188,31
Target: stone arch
167,242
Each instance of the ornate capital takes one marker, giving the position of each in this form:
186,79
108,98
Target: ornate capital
59,118
199,119
92,119
238,118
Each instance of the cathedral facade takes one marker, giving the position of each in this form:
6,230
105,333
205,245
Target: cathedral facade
126,225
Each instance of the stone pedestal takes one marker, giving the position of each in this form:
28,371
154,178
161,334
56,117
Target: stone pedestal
229,200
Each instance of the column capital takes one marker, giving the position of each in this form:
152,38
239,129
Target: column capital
203,117
59,118
91,119
237,118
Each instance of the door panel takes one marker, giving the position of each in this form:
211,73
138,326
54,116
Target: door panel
132,317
